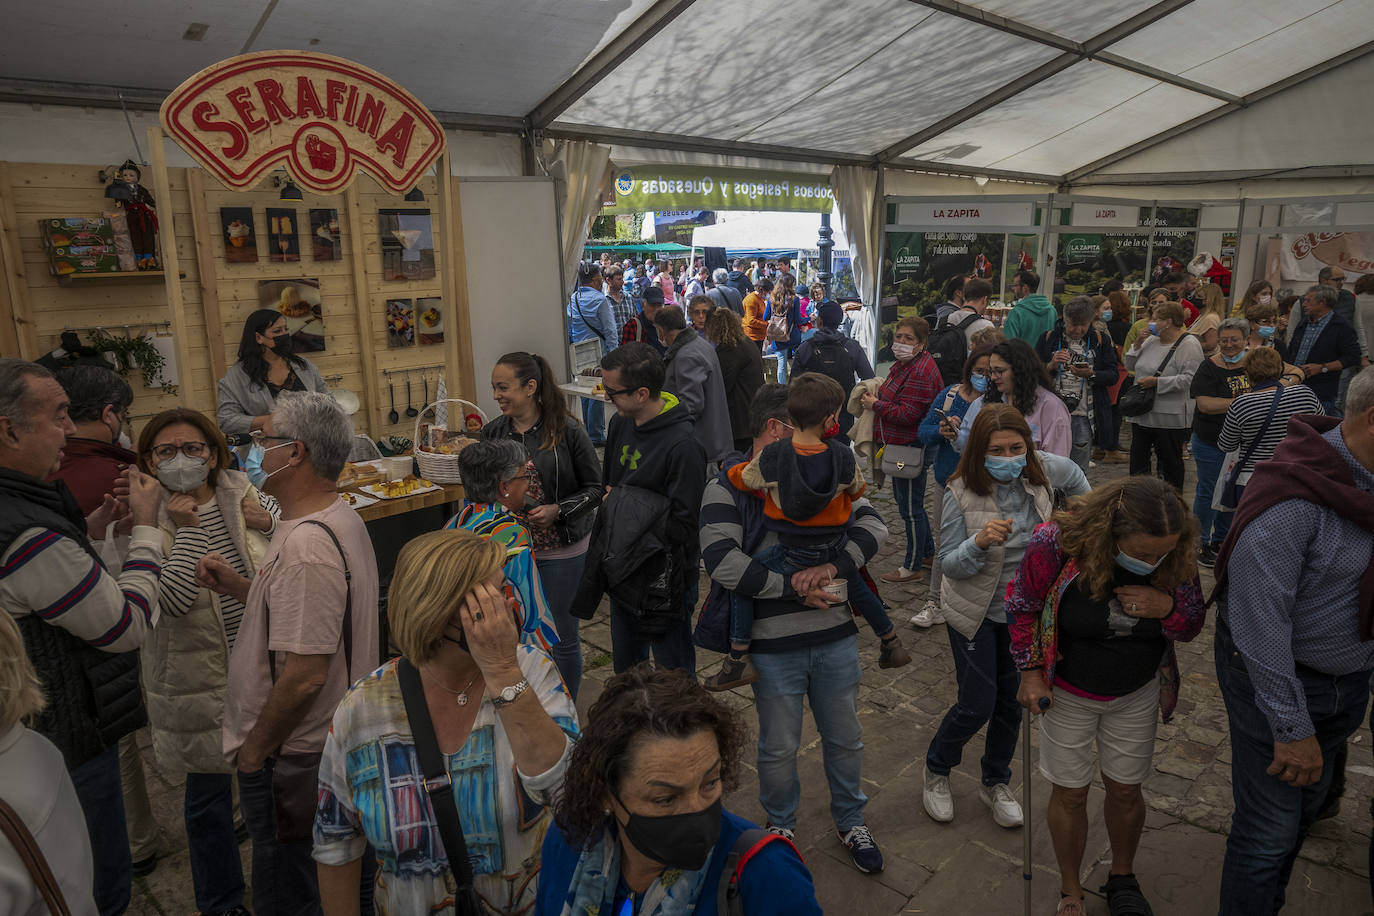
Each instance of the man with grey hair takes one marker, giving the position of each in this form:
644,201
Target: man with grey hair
724,295
1294,644
1324,343
309,630
1081,360
81,623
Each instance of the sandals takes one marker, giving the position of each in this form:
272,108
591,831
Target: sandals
1124,897
1070,906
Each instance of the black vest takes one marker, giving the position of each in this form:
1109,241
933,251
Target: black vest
94,697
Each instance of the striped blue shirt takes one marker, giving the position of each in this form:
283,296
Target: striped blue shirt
1293,598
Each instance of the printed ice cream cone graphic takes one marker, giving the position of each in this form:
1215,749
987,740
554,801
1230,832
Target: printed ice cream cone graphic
238,233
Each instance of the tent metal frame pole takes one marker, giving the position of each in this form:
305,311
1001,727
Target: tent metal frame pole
617,51
1041,73
1258,95
1082,50
1043,262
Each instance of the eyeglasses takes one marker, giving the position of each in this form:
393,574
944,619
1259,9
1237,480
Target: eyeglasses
1338,280
524,476
616,392
189,449
995,372
259,437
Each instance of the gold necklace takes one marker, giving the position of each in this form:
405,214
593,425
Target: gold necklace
460,696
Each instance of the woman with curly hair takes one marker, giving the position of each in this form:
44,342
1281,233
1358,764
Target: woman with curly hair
638,826
1102,594
1017,377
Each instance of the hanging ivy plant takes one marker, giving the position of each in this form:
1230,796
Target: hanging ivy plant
134,353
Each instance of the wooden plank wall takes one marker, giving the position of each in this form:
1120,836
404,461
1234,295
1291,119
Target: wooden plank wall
353,300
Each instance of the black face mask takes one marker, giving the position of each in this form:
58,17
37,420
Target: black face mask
680,841
282,345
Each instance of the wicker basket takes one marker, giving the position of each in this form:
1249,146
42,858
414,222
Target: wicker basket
436,466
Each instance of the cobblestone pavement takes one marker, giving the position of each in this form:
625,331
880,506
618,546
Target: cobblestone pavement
972,866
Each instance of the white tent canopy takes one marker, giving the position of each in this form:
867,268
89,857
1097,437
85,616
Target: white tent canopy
767,231
1042,90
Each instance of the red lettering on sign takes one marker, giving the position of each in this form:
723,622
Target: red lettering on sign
239,97
1106,214
272,104
334,94
370,116
201,115
398,139
351,108
307,103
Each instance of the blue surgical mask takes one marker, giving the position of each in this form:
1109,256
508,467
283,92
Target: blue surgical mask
1139,567
1154,329
1106,314
1005,469
979,382
253,466
1232,360
1266,331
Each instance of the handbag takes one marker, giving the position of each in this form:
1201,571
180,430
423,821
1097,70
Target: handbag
296,777
17,832
904,461
1228,485
1139,400
439,787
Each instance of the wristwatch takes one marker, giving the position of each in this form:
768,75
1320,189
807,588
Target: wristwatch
1325,368
508,694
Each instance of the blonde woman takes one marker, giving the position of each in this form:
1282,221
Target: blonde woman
35,784
1211,312
502,719
1102,594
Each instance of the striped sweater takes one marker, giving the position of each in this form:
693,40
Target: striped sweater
54,577
782,622
1245,421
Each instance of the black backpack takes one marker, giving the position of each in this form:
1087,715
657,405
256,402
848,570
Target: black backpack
949,348
831,358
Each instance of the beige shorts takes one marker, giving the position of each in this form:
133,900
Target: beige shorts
1124,729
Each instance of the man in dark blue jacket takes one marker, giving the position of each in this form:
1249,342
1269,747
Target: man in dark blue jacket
1081,360
1323,345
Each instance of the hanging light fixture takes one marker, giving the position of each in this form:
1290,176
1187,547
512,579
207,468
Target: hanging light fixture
289,191
415,195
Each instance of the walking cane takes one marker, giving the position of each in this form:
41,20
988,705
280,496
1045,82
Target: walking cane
1026,784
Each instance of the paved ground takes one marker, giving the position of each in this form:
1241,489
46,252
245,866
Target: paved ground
973,866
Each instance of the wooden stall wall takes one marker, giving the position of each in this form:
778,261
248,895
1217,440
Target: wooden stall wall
218,296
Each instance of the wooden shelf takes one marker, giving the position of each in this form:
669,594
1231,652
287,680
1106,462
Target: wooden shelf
121,275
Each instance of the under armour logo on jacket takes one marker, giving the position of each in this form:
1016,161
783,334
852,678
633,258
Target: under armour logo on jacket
626,459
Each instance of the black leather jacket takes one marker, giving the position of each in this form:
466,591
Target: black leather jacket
570,473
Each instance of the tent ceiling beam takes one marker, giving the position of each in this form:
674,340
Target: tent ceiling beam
1090,50
1046,70
1210,116
616,52
1233,175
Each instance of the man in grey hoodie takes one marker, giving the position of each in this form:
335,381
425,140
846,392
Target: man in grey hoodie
1033,316
693,374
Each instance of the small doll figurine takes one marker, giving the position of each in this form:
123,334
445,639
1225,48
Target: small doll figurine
473,424
141,212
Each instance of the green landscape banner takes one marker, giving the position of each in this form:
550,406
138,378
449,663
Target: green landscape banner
675,187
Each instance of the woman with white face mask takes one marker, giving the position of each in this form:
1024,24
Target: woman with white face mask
208,508
1102,594
1261,292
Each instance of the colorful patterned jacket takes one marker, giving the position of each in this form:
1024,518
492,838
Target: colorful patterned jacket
1033,603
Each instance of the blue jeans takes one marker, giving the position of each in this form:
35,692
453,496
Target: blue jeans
102,802
1271,817
594,418
284,878
783,356
1209,460
987,696
1082,449
216,871
910,494
828,677
674,650
788,560
560,579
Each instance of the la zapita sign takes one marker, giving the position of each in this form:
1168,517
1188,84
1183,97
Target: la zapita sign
321,117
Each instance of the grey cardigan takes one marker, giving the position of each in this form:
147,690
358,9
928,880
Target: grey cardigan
240,400
693,374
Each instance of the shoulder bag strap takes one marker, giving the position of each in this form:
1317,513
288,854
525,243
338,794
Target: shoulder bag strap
577,304
1264,428
348,611
17,832
438,782
1170,355
747,845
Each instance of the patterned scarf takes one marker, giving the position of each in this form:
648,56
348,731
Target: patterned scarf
597,875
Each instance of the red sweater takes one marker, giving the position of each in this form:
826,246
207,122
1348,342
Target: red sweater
89,469
904,399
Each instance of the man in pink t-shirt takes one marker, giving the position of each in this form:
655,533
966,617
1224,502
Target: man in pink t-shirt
295,610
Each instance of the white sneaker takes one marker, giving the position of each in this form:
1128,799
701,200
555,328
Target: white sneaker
1006,810
928,616
937,799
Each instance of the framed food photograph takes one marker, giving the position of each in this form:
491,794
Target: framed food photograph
326,242
429,320
283,236
236,229
400,323
407,244
298,301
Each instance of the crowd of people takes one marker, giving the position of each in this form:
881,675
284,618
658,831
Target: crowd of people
228,600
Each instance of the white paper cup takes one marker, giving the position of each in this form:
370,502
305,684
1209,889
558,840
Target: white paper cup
838,589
